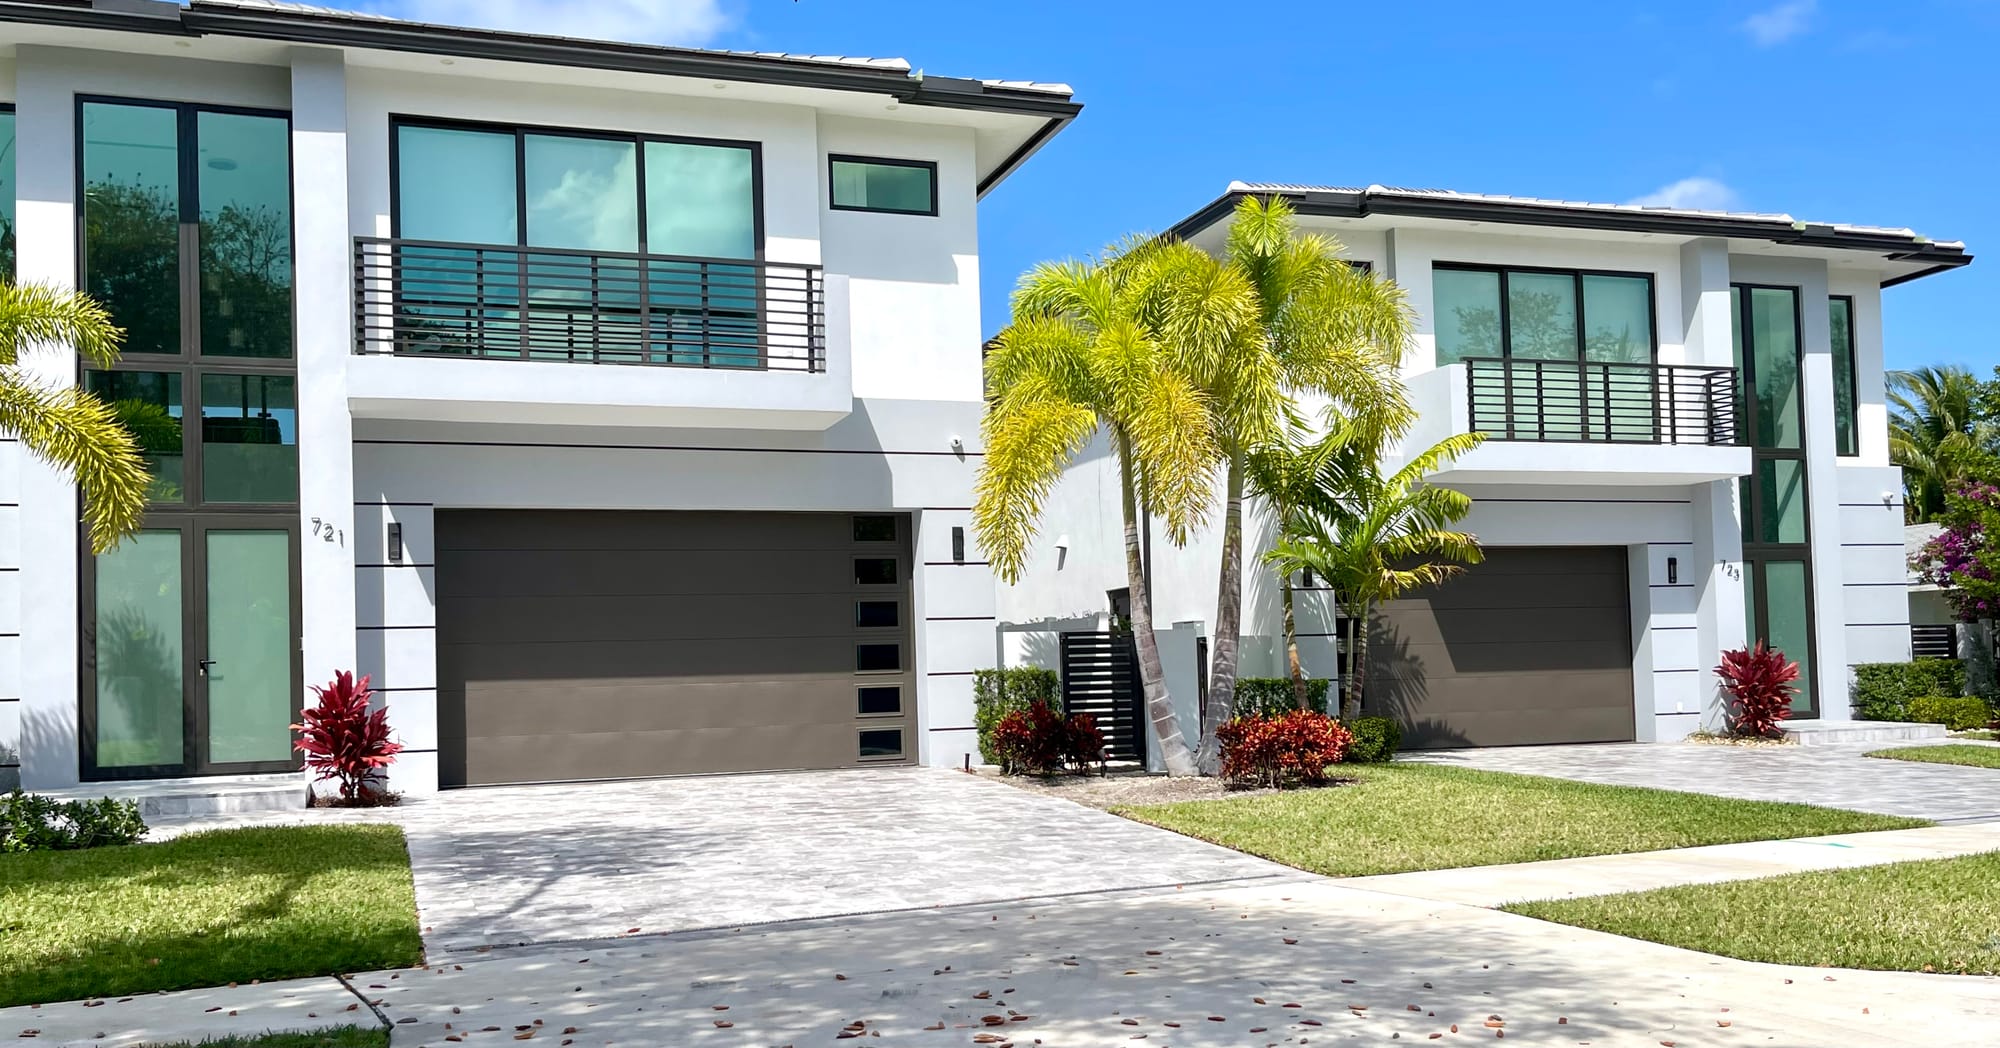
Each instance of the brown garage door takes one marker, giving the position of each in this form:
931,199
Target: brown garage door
605,645
1530,646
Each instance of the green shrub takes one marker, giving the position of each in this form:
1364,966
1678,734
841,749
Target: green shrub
1263,696
31,822
1957,712
996,693
1376,739
1883,690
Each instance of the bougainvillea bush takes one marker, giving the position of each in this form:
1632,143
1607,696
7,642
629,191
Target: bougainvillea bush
1759,683
344,741
1040,741
1964,559
1282,749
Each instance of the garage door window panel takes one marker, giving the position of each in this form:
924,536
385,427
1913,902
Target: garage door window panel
881,744
875,571
882,700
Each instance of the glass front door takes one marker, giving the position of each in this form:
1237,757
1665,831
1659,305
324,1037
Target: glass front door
193,665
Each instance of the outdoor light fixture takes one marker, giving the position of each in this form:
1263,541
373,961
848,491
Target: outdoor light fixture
1673,570
958,545
1062,551
395,543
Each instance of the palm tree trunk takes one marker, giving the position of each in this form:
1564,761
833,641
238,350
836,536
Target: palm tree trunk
1357,668
1228,624
1152,674
1292,645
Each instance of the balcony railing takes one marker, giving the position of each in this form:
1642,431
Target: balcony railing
1601,402
437,298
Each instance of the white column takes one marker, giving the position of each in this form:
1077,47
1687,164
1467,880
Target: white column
1716,569
325,336
45,172
1705,295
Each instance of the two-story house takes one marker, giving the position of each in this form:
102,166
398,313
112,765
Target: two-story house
1687,448
613,407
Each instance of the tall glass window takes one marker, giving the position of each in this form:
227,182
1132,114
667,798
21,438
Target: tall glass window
131,220
1846,426
245,198
1776,528
701,200
8,191
191,651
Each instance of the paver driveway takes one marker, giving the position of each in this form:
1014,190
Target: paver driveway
1836,776
542,864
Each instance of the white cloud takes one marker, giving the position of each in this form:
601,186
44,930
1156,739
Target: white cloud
1781,23
1693,194
689,23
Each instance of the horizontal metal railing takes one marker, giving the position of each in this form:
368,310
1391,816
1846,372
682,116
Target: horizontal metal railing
439,298
1933,642
1601,402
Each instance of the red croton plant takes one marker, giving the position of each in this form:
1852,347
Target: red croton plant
343,740
1759,683
1038,740
1280,749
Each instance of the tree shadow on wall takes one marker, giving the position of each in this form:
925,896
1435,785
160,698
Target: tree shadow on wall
1396,688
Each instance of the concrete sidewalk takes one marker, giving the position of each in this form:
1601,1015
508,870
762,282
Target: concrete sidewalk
1644,871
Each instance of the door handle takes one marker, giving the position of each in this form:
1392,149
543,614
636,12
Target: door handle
204,664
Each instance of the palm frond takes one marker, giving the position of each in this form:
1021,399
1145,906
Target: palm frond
38,317
81,436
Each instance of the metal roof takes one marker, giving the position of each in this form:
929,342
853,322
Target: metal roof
1893,243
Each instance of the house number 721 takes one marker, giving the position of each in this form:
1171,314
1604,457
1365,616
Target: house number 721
326,532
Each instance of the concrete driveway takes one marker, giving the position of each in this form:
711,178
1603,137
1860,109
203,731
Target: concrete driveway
1833,776
546,864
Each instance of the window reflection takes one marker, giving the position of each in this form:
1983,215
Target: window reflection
245,188
131,215
249,437
149,405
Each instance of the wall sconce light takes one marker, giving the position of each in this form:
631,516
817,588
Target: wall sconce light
1062,551
395,543
1673,570
958,545
1306,577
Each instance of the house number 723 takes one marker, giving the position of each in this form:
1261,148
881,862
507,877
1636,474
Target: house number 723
326,532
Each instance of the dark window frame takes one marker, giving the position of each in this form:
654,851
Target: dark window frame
902,744
833,203
13,255
861,711
1501,270
520,133
188,251
1853,414
1757,554
194,517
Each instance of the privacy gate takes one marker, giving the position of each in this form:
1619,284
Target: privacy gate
1100,676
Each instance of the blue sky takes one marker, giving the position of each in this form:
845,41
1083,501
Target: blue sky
1830,110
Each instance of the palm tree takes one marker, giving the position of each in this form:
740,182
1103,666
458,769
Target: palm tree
1323,329
1285,477
1936,433
63,425
1385,537
1081,355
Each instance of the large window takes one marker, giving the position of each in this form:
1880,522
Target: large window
577,190
903,187
191,660
1777,570
1846,426
1542,314
8,191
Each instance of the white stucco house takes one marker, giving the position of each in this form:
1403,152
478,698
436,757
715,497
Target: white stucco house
1687,448
613,407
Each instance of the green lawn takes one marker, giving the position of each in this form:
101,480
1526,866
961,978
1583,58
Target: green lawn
1970,756
344,1037
1981,735
205,909
1936,915
1406,816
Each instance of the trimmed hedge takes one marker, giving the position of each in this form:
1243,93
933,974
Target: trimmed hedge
996,693
31,822
1263,696
1957,712
1376,739
1883,690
